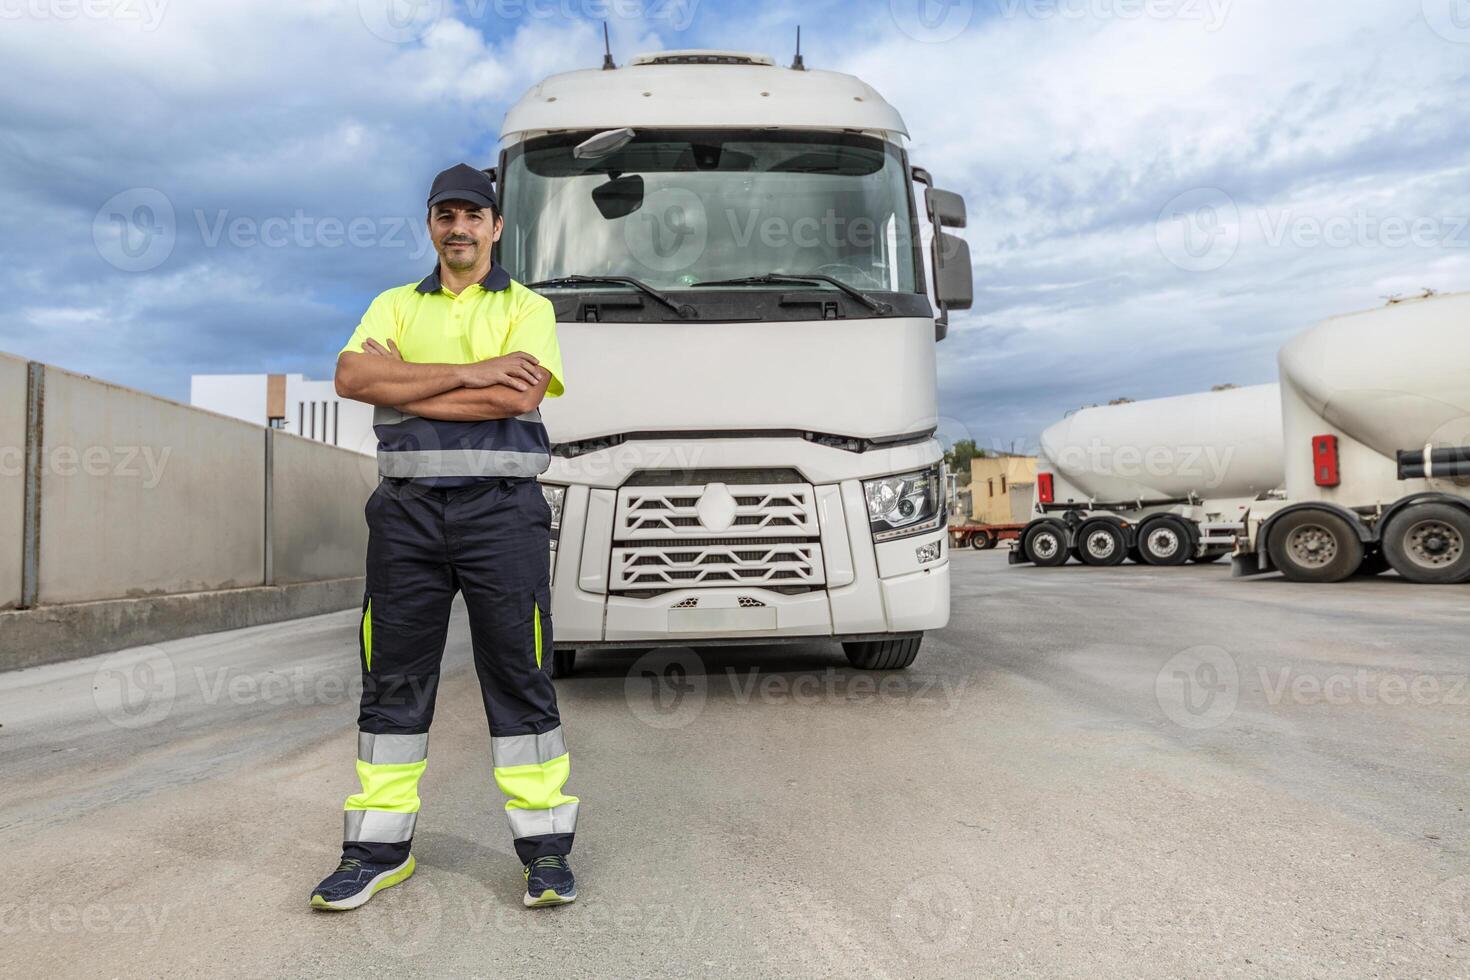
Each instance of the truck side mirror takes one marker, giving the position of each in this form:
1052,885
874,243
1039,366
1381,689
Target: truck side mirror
954,285
946,208
954,281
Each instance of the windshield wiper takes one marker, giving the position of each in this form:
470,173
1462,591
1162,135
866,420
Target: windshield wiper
684,310
774,277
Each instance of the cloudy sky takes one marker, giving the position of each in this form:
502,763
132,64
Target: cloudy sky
1160,191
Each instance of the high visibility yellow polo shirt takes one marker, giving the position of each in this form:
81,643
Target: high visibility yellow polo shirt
431,325
494,317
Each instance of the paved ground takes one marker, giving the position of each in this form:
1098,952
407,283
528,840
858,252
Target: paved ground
1091,772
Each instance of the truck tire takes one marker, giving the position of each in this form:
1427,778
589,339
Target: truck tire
563,662
1165,541
1210,556
1429,544
894,654
1046,546
1101,544
1314,546
982,541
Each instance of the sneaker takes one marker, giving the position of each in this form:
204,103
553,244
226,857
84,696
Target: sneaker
354,882
549,881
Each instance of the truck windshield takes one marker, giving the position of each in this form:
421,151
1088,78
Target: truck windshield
679,208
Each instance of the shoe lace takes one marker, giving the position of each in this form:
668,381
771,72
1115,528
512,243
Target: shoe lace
557,861
349,864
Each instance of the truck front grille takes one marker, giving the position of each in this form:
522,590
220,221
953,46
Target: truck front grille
765,536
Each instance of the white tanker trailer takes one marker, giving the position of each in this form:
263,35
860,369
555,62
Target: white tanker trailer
1376,423
1162,481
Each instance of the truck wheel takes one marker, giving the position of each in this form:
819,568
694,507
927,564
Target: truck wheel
563,662
1165,541
1314,546
981,541
1102,544
1210,556
1430,544
1046,546
894,654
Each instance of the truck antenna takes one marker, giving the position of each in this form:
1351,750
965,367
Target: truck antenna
607,60
798,64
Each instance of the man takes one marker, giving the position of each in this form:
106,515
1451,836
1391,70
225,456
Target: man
457,365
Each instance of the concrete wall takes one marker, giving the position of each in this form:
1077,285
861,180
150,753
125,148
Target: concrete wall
143,496
317,497
159,520
12,481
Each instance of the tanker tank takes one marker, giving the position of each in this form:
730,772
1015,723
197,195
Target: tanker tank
1163,481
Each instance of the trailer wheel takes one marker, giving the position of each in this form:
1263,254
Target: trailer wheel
1430,544
1314,546
1045,546
1165,541
1101,544
982,541
894,654
1210,556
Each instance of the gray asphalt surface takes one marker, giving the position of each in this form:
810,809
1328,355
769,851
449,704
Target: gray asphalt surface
1124,772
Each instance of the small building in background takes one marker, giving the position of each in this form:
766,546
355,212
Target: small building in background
1001,488
292,402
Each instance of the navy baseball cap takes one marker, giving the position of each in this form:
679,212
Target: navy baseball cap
463,182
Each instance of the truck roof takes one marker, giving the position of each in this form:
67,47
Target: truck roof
701,89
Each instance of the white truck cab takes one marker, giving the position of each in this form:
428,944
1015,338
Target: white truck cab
746,450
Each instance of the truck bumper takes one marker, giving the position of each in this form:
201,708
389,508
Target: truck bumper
871,589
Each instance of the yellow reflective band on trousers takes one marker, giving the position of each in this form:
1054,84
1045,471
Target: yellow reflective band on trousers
388,786
537,787
367,635
536,608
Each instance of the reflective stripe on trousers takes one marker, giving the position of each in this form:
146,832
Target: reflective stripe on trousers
531,771
389,768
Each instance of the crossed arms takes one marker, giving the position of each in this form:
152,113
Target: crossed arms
497,388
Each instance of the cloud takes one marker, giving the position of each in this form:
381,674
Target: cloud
1156,201
1070,130
289,144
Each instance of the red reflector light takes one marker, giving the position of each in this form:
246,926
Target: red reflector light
1044,491
1324,461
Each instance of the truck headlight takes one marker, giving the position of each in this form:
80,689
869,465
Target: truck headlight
554,496
910,503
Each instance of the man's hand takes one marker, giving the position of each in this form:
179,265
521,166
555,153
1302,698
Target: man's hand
371,346
517,370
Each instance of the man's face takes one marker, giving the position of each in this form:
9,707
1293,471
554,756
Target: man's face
462,233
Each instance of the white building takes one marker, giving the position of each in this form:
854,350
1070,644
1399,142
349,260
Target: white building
291,402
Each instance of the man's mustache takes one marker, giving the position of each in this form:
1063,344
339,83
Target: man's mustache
459,241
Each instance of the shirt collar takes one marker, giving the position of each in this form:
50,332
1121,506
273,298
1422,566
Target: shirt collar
495,280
